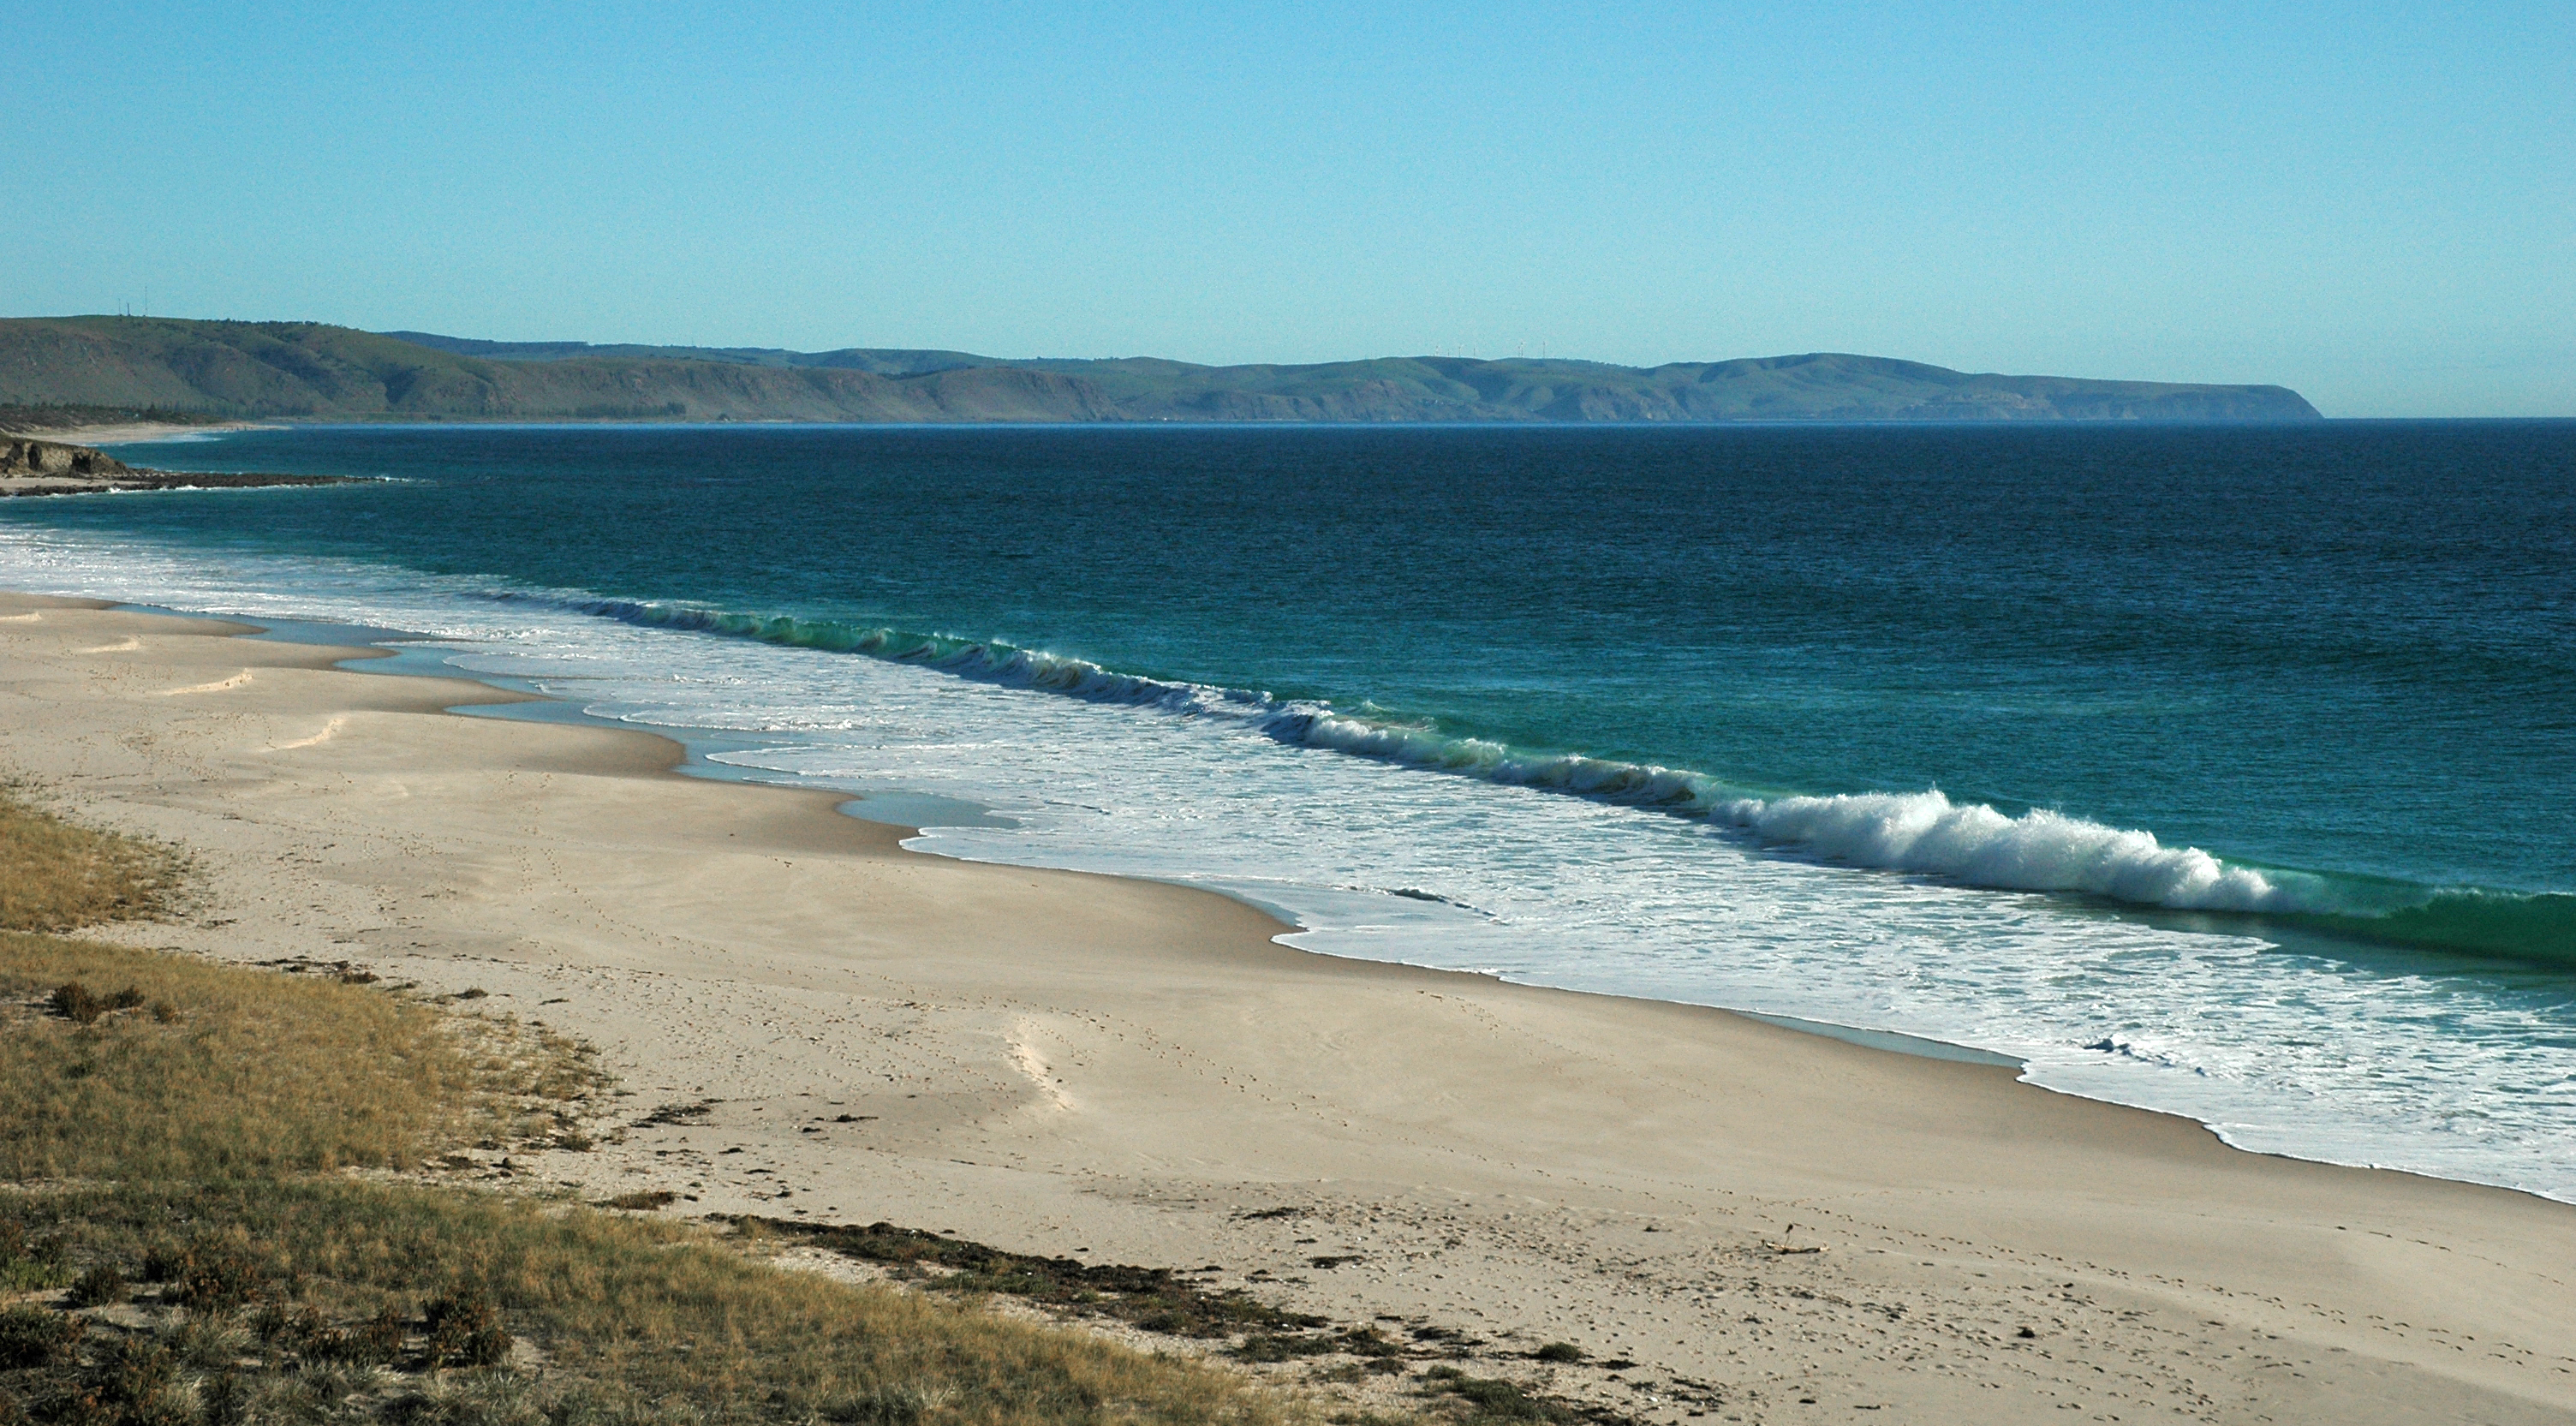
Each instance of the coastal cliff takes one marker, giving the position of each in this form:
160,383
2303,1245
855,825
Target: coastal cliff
313,371
23,457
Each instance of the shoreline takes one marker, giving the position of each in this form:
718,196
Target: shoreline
1921,1044
1893,1041
140,481
1127,1069
132,432
689,764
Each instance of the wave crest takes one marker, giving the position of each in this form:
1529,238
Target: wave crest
1919,832
2036,851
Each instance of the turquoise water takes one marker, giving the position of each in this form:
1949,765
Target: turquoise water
2222,770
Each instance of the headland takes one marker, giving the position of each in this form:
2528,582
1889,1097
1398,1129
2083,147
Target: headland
314,371
39,467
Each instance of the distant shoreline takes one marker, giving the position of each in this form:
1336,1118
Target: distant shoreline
129,432
308,370
128,435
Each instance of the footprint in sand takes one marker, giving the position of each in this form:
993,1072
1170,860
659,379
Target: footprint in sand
328,729
1025,1058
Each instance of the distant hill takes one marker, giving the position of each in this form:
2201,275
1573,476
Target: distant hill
309,370
883,361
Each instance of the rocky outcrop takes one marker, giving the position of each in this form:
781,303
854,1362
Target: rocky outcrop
22,456
33,467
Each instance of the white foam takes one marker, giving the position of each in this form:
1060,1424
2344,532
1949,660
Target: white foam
2037,851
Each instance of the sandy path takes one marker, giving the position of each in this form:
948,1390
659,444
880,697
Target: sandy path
1062,1063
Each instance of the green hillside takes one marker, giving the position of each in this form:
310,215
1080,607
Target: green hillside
312,371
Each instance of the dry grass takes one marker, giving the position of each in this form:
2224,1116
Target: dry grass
635,1319
533,1087
61,876
213,1072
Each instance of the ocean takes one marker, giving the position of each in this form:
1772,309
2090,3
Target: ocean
2218,770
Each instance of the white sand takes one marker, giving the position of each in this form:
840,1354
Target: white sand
129,432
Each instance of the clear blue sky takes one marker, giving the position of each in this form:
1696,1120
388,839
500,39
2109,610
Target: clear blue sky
2377,207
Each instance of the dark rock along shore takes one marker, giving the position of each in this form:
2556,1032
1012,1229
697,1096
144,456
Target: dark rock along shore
33,467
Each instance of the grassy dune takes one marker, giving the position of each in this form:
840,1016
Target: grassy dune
176,1069
599,1317
180,1244
62,876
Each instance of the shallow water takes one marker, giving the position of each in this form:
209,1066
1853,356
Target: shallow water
2217,770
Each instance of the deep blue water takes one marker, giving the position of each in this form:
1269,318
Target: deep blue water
2339,658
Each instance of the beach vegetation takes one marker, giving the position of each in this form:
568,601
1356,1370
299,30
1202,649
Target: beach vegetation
60,416
1489,1401
193,1070
62,876
408,1300
223,1214
1149,1298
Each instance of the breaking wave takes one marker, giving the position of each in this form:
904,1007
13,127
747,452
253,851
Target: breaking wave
1921,833
2036,851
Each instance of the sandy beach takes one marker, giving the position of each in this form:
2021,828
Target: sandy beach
130,432
1125,1071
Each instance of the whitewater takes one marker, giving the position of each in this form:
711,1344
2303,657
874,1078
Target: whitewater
2039,850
